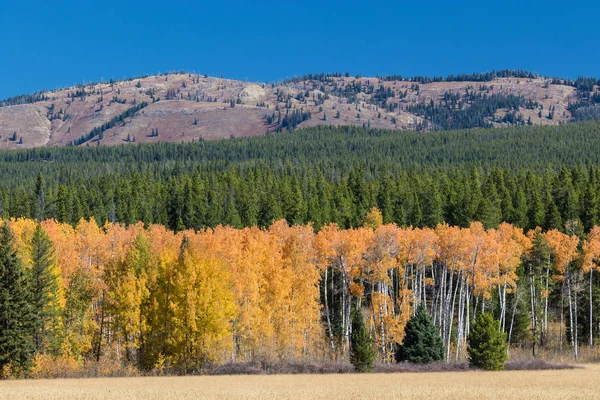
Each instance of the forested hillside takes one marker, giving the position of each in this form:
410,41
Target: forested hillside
527,176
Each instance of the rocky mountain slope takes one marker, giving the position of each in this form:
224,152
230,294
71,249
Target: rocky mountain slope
181,107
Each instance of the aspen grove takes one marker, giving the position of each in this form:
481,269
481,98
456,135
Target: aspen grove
155,299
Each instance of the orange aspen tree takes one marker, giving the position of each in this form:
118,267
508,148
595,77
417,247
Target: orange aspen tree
564,248
78,287
342,251
511,248
456,248
384,266
424,249
302,331
591,263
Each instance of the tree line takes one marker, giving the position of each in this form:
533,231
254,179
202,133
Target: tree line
528,177
155,299
256,196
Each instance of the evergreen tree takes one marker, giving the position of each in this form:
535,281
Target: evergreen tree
536,213
537,263
40,198
16,344
43,284
362,353
487,344
519,330
591,207
553,217
422,341
432,205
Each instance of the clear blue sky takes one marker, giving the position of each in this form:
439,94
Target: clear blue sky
48,44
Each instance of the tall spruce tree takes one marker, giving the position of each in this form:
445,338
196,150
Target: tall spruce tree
16,344
40,198
362,353
422,341
43,284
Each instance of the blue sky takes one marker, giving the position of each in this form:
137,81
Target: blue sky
53,44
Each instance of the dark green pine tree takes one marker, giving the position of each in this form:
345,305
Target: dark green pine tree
471,199
248,203
415,215
76,209
519,207
270,209
422,341
432,205
384,200
43,285
62,204
40,198
188,211
488,213
232,216
590,207
16,344
553,217
537,262
362,353
536,212
565,196
519,331
487,343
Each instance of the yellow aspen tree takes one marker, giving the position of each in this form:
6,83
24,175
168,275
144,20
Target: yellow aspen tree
127,296
203,307
164,247
78,288
245,253
23,229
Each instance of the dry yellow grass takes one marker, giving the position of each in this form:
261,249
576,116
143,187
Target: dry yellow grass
581,383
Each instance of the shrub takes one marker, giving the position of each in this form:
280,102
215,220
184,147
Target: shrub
487,344
47,366
422,341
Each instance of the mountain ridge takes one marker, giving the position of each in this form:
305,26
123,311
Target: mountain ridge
184,107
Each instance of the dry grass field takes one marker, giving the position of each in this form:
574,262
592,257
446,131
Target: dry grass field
581,383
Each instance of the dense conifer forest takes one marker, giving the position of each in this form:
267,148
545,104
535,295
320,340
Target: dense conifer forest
527,176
